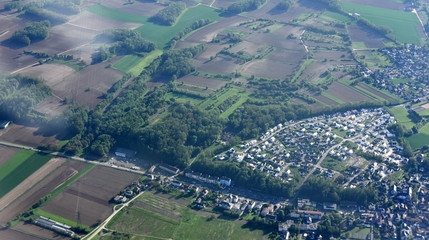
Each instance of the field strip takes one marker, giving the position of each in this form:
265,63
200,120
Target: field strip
420,20
79,26
29,182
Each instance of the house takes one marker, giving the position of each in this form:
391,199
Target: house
303,214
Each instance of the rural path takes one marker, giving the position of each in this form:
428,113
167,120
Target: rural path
97,230
420,20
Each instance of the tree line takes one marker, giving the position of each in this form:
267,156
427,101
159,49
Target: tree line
243,6
34,32
169,15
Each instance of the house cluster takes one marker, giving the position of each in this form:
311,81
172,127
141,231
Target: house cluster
409,62
54,226
220,181
129,192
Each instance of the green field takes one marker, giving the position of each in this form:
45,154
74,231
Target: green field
19,167
189,225
135,64
158,34
420,139
334,164
401,115
404,25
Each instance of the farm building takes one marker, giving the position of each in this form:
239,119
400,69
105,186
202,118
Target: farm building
54,225
169,168
125,153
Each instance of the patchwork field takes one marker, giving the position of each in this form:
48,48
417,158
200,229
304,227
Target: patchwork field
420,139
19,167
40,189
160,35
405,25
86,201
160,217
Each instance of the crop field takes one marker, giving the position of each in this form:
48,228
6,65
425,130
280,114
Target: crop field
154,32
346,93
135,64
49,182
215,101
362,38
401,115
6,154
420,139
8,234
87,85
210,83
19,167
166,218
39,231
405,25
86,201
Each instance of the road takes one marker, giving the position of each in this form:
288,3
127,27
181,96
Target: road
116,210
62,155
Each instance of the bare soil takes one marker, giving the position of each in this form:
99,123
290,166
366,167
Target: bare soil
87,200
346,93
269,69
30,181
203,82
138,7
370,38
8,234
219,65
98,24
33,195
52,74
375,92
27,135
6,153
52,107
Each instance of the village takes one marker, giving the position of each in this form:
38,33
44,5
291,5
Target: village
408,75
402,208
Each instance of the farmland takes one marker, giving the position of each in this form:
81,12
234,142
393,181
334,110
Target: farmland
420,139
19,167
405,25
160,35
86,200
162,216
135,64
401,116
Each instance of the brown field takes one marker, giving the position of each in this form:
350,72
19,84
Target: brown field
288,56
269,69
334,57
208,33
91,22
87,200
376,92
87,85
8,234
346,93
203,82
63,38
52,74
30,181
276,40
313,71
40,190
389,4
138,7
223,3
84,53
248,47
370,38
6,153
52,107
27,135
219,65
196,89
268,11
38,231
210,51
325,100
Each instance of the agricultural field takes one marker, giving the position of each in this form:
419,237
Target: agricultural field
18,168
401,115
160,35
135,64
38,187
86,200
405,25
420,139
163,216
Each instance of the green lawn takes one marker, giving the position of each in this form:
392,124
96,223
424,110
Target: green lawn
420,139
189,226
158,34
19,167
401,115
135,64
334,164
404,25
